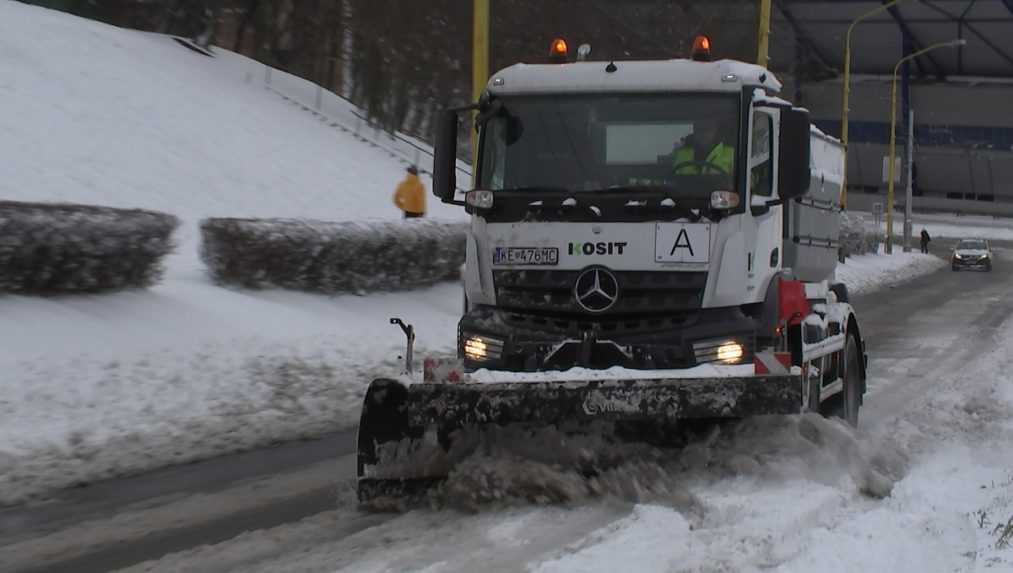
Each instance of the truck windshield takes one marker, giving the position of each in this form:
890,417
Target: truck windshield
682,143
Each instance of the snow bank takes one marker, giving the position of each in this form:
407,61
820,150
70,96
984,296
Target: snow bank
950,226
970,231
865,273
97,387
48,248
332,257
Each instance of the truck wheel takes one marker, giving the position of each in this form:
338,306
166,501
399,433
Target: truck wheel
851,396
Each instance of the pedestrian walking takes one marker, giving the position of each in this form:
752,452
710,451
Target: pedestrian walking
925,241
410,196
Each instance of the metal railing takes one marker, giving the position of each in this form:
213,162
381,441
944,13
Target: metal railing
398,145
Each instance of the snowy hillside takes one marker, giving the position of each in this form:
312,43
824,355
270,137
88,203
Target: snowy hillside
97,114
118,117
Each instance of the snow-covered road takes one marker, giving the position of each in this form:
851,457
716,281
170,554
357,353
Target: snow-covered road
788,495
785,495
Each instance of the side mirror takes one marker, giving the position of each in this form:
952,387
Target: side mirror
794,147
445,156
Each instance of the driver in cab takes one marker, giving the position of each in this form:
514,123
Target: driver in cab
703,152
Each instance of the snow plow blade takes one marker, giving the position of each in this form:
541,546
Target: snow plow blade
410,436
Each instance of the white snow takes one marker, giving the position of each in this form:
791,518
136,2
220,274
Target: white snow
96,386
866,273
102,385
783,496
614,373
631,75
952,226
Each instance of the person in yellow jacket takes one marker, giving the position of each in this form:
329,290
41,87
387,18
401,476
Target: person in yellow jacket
703,152
410,196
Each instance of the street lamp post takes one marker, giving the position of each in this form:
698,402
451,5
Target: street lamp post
893,133
847,90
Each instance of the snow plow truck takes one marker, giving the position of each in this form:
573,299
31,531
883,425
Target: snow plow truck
652,243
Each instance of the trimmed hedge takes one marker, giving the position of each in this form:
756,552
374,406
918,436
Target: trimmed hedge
327,257
858,236
55,248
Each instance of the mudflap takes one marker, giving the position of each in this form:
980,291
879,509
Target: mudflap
410,437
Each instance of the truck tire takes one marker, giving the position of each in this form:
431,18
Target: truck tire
851,395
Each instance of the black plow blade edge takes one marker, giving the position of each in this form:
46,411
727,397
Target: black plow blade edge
402,423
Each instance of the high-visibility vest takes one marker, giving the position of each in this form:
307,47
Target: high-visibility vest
722,156
410,196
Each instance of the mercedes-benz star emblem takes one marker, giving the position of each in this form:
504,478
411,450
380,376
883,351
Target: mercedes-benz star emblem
596,290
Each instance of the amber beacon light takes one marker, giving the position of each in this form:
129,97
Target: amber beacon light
558,51
702,49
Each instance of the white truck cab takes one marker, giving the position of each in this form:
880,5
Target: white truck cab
637,213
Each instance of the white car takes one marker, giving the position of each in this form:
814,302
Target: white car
972,254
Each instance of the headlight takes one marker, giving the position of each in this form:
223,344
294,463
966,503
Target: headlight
482,348
731,352
726,351
479,199
724,200
957,256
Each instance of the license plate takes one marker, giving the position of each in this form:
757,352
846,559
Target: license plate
525,256
682,243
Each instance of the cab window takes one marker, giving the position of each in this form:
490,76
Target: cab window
761,160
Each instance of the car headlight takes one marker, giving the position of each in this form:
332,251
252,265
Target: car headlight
957,256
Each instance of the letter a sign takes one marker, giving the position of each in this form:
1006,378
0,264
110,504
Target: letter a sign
682,243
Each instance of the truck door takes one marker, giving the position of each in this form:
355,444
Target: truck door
765,259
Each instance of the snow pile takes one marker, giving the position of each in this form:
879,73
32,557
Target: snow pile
332,257
75,408
60,248
544,466
866,273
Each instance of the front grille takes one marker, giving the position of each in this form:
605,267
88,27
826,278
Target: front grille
573,325
640,292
